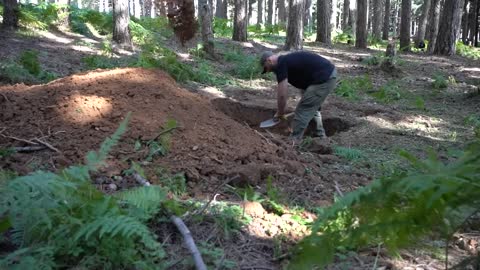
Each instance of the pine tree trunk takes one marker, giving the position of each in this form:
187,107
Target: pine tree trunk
207,33
369,16
473,16
240,21
324,28
148,8
260,13
396,16
121,18
406,21
162,9
294,38
449,27
422,24
345,14
434,23
465,23
333,16
386,21
10,14
219,7
270,12
307,17
352,21
361,36
282,13
377,18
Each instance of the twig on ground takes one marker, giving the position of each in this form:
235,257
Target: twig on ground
187,236
220,264
256,131
142,181
28,149
281,257
170,266
163,132
19,139
214,194
47,145
337,188
376,257
3,129
6,98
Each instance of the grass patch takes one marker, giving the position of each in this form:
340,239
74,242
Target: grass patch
467,51
348,153
439,81
26,68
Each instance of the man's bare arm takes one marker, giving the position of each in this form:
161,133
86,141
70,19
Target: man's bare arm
282,95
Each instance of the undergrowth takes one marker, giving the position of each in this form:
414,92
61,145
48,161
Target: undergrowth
62,220
431,199
467,51
350,88
26,68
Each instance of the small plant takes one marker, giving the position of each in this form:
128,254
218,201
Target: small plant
215,256
29,61
174,183
160,145
99,61
388,92
229,218
420,103
347,153
351,87
467,51
222,27
439,81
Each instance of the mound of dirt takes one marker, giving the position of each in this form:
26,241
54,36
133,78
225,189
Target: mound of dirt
75,114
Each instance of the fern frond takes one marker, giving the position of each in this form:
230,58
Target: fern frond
97,158
147,199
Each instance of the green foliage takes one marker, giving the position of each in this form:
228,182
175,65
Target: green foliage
215,256
99,61
229,218
467,51
439,81
474,121
176,183
29,61
222,28
13,72
420,103
89,22
343,37
396,211
62,219
388,92
350,87
246,66
41,16
348,153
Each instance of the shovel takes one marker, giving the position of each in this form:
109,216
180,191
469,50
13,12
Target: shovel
273,122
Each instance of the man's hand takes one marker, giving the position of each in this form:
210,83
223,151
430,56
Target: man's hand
282,91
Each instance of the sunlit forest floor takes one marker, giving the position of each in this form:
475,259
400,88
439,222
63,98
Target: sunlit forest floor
424,103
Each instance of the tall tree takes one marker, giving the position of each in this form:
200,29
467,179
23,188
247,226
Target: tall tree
307,17
324,27
240,21
219,7
260,12
269,12
205,12
333,14
433,25
361,35
148,8
294,38
473,25
465,23
377,19
121,19
386,20
345,14
449,27
282,13
422,24
10,14
406,22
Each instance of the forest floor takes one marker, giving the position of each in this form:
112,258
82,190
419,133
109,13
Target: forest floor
221,150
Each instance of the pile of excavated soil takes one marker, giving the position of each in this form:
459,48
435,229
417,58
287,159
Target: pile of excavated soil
75,114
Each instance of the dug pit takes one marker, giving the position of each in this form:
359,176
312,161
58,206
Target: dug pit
252,115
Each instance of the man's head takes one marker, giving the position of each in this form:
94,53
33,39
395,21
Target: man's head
267,61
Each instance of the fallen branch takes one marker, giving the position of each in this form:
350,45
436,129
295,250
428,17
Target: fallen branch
215,193
19,139
142,181
47,145
164,132
337,188
28,149
187,236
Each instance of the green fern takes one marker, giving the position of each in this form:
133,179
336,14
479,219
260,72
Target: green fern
62,219
434,199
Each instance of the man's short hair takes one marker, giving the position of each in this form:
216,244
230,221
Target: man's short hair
263,59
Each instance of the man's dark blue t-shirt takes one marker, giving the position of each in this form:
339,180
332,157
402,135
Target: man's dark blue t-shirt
303,69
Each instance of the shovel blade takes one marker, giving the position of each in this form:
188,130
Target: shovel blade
269,123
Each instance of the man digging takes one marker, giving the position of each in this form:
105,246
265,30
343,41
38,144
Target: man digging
314,75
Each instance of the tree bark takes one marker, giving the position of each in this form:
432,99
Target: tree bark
449,27
333,16
282,13
345,14
148,8
307,17
121,19
434,23
473,17
386,21
270,12
352,21
219,7
465,23
10,14
377,19
324,28
406,21
362,11
422,24
207,32
240,21
260,13
294,38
